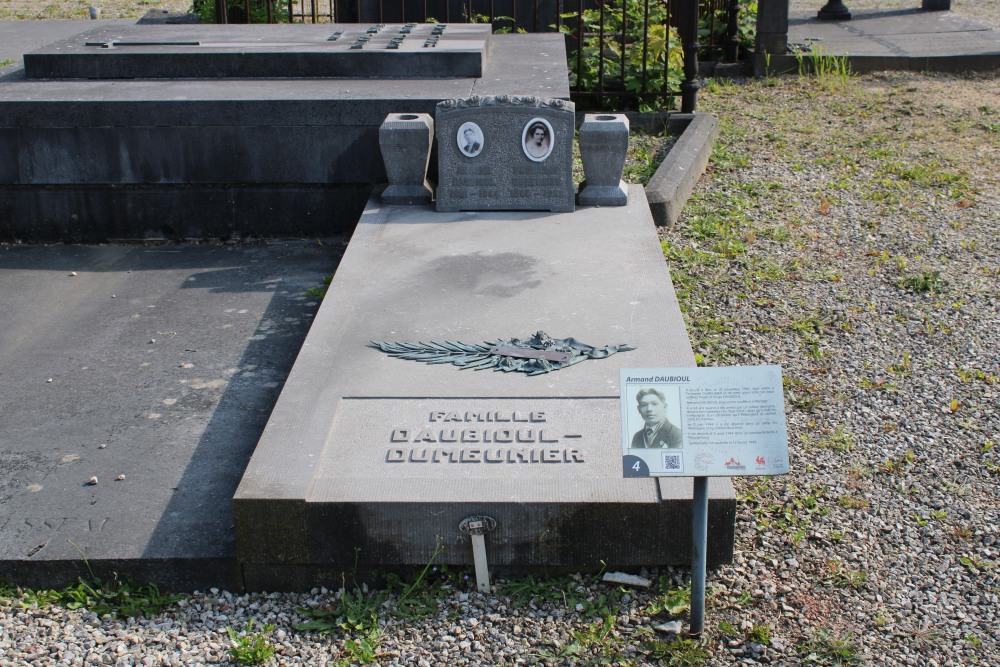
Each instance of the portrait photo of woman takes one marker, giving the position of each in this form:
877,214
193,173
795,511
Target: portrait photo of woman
537,139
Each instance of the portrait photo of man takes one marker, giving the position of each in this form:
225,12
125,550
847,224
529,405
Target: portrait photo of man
470,139
657,431
537,139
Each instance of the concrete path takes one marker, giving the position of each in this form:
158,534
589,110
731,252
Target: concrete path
908,39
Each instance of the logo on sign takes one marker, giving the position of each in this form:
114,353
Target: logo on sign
734,464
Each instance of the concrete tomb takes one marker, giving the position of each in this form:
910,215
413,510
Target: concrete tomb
385,455
505,153
254,130
432,50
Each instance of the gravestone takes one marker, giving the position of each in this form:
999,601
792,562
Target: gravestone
505,153
388,453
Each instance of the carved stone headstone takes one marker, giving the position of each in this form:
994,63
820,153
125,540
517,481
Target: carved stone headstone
603,144
505,153
405,140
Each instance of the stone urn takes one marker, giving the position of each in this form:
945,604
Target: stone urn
405,140
603,140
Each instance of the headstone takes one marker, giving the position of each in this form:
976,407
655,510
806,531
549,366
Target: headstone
405,140
603,145
508,153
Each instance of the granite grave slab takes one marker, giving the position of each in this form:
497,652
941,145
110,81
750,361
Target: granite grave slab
151,370
390,51
91,160
370,451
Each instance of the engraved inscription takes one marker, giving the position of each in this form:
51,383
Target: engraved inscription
482,436
58,524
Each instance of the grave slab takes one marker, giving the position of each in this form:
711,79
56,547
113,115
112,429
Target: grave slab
92,160
159,364
393,51
371,452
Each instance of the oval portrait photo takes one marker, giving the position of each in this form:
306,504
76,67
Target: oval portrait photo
537,139
470,139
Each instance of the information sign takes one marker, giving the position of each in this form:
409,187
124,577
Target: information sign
703,422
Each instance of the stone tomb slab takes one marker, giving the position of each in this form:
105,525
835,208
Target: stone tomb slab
371,452
505,153
393,51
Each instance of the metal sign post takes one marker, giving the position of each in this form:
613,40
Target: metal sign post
699,547
702,423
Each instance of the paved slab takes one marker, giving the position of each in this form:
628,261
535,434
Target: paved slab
393,51
345,463
157,363
901,39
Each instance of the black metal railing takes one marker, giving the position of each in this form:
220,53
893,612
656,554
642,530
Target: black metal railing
636,54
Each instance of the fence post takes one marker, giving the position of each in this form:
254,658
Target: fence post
732,32
687,26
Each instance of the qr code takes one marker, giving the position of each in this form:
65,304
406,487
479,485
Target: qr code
673,462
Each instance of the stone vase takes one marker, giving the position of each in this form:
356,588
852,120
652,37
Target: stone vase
603,140
405,140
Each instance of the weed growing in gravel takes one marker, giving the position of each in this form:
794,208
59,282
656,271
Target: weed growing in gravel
839,576
927,281
671,601
851,502
249,647
975,564
967,376
5,62
826,648
121,596
679,652
840,440
898,464
595,643
361,650
760,633
904,366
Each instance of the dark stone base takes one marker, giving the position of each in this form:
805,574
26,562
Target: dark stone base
834,10
97,214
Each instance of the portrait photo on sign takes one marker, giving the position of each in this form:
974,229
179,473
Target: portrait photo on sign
470,139
537,139
655,418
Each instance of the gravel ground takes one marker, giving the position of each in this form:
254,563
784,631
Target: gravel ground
848,230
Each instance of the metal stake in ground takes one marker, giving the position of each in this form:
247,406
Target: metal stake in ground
476,527
699,546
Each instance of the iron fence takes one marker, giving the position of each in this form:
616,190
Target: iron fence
623,53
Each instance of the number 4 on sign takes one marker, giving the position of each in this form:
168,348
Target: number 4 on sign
636,466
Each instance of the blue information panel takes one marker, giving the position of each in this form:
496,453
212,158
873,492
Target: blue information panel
703,422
